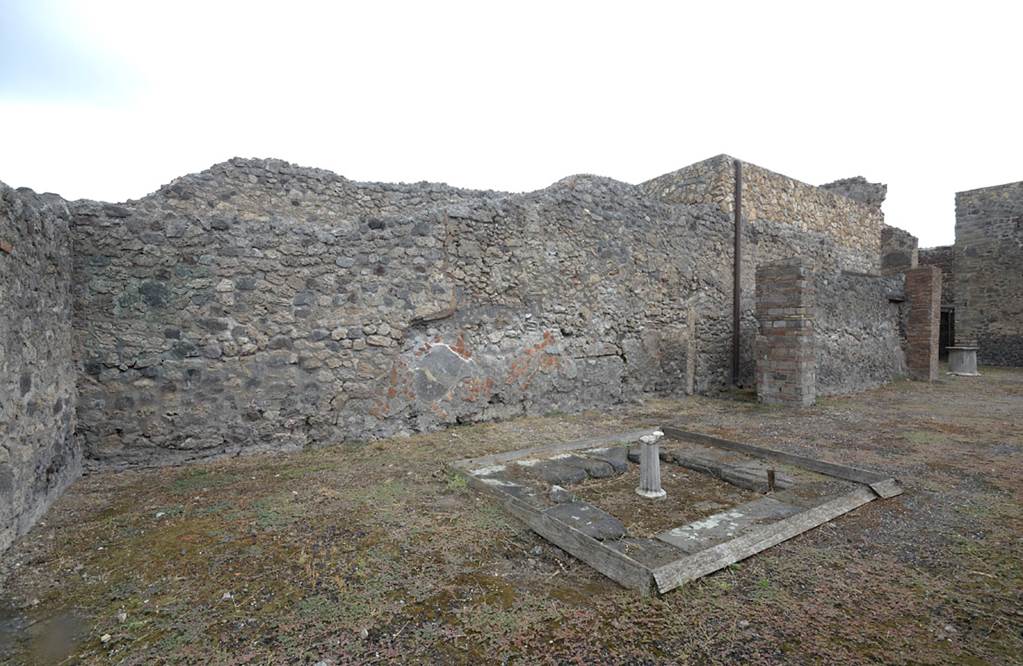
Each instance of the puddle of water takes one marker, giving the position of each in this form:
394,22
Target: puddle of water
47,640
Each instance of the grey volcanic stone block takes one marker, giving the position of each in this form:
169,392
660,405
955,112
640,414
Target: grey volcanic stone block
552,472
597,469
616,457
589,520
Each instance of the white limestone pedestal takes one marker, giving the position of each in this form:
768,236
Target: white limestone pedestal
650,467
962,361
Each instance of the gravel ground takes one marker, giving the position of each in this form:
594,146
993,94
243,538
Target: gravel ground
375,553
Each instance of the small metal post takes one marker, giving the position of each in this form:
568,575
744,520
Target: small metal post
650,467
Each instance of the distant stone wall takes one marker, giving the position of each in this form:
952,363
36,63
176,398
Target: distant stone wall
262,306
989,278
829,231
711,181
899,250
858,334
38,453
854,228
851,229
944,258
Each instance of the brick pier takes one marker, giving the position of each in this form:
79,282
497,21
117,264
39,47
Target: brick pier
785,353
923,291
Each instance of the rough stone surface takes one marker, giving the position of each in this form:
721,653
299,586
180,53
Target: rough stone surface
989,277
858,331
859,189
38,453
852,227
260,306
899,250
263,306
616,457
944,258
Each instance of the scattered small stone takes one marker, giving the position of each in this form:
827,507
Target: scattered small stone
743,624
537,550
160,514
227,596
364,633
122,617
559,495
105,638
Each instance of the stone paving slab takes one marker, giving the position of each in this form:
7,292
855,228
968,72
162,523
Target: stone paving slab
728,524
589,520
616,456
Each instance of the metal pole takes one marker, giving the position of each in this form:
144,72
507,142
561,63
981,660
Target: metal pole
737,273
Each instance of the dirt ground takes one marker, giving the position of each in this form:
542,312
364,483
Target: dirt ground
375,553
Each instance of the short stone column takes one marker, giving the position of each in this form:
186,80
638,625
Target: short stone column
923,291
650,467
786,358
962,360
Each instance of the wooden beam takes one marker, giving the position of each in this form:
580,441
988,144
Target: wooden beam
614,564
551,449
887,486
704,562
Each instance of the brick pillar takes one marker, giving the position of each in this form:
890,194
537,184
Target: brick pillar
923,291
786,356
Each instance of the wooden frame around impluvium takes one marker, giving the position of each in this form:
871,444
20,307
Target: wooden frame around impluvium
637,576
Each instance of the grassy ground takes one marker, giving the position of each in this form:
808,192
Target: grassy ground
374,553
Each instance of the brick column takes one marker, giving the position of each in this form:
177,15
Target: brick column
923,291
785,352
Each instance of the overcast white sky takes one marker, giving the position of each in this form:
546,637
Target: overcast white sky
110,99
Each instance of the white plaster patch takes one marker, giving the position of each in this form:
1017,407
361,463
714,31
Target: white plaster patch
467,359
709,523
500,482
490,469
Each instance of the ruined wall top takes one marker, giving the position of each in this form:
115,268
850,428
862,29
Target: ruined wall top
859,189
770,196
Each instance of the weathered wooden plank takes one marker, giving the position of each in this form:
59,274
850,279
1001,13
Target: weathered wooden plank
670,576
648,552
725,525
829,469
887,488
616,565
551,449
746,475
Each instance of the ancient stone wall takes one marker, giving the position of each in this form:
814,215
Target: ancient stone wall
989,278
944,258
858,334
263,306
854,228
851,229
899,250
38,453
832,231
